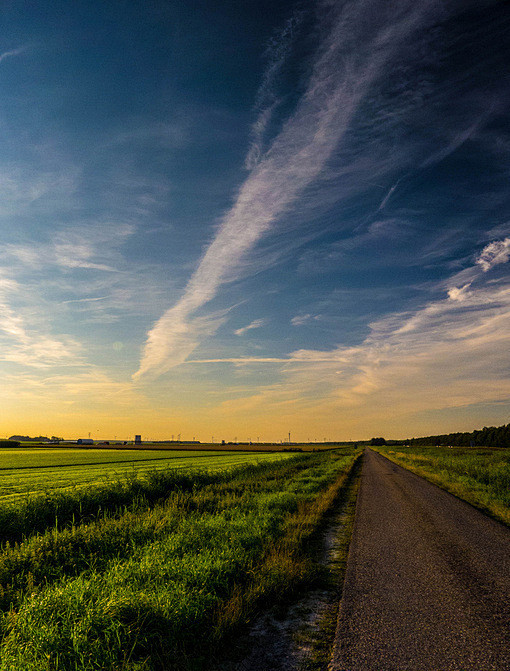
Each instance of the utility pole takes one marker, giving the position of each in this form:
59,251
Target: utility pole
289,437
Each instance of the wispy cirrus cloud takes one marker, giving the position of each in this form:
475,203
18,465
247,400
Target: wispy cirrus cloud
267,100
26,345
86,300
387,197
242,360
458,139
80,274
24,187
12,52
75,273
449,353
93,246
297,156
255,324
300,320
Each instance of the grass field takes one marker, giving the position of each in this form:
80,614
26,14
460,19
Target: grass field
32,470
478,475
162,584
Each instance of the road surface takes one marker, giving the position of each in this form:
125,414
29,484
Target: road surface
427,585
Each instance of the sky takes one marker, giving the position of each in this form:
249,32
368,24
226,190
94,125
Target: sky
236,220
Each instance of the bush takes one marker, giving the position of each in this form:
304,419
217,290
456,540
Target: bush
9,443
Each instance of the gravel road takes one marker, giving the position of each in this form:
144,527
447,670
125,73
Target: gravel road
428,580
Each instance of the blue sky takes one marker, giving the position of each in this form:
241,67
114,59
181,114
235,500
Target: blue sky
240,219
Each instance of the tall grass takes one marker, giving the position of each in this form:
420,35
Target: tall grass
161,587
58,508
480,476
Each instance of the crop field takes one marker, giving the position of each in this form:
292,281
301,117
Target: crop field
158,571
33,470
478,475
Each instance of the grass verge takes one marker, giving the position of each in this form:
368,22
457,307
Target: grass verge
319,639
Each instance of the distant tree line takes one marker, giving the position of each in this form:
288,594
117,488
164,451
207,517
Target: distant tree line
489,436
37,439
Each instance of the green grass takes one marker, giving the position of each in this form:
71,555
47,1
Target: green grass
67,456
319,638
29,471
163,586
138,488
478,475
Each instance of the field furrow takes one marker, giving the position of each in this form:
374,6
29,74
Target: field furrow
32,471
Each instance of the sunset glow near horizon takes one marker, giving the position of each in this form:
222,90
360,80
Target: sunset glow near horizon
243,219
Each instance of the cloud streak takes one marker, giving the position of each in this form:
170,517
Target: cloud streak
29,347
86,300
267,99
450,353
446,356
255,324
301,320
12,53
493,254
296,158
92,246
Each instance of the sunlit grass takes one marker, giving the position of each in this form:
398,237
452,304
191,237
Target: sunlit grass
67,456
160,586
138,488
33,471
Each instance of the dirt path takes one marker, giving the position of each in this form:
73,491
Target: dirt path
428,580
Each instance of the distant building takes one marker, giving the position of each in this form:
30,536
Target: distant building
138,440
85,441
